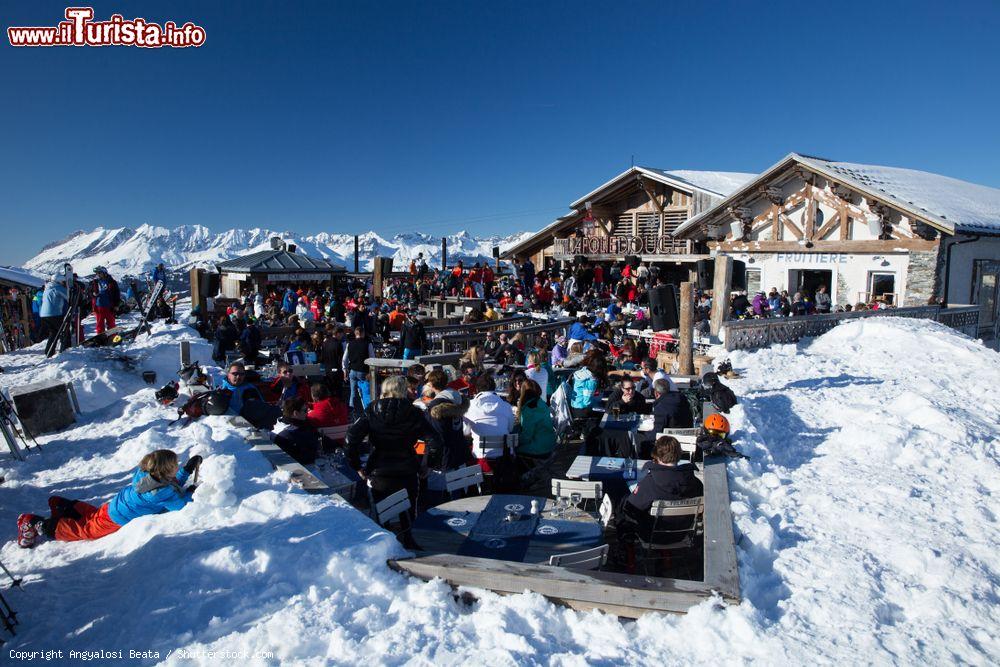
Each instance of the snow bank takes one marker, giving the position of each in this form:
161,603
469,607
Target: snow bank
866,525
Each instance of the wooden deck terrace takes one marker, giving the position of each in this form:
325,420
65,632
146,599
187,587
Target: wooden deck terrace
623,595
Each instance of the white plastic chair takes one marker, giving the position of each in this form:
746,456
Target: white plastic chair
564,488
589,559
393,508
504,443
463,478
671,539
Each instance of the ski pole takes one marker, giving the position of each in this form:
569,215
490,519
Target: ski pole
9,616
15,581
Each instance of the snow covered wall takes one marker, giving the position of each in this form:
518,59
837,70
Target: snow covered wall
136,251
866,522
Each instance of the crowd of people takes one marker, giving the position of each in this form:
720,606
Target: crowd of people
777,303
546,388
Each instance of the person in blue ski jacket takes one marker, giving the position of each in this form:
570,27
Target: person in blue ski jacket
53,307
160,274
156,487
288,301
235,382
579,331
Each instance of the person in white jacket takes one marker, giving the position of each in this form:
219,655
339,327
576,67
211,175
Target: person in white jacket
488,415
535,371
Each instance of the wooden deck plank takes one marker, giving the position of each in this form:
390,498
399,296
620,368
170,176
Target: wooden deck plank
624,595
721,569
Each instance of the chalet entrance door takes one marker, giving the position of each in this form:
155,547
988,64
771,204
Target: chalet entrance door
808,281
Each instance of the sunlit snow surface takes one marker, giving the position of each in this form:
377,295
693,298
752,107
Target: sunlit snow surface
866,525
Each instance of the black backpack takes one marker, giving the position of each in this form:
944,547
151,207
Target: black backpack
723,397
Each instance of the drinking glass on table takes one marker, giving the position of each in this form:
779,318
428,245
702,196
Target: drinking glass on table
574,499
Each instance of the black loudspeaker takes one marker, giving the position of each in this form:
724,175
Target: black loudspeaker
706,273
496,252
663,308
633,261
739,275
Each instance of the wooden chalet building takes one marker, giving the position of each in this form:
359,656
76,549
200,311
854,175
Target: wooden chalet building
865,231
633,214
281,265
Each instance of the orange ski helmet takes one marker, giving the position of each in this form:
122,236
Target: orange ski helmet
717,422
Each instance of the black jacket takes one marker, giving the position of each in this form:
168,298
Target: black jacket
671,410
665,483
451,450
413,336
300,440
392,426
225,340
332,354
357,353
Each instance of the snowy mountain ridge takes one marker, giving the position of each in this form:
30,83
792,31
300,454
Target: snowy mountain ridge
125,250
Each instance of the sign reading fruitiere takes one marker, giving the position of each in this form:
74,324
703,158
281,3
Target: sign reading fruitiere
811,257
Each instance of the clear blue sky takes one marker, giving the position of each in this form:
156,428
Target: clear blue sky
489,116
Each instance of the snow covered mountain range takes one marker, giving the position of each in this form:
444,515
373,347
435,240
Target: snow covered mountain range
134,251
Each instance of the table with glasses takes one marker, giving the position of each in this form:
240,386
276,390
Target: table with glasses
502,527
610,471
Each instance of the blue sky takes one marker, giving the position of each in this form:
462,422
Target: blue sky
488,116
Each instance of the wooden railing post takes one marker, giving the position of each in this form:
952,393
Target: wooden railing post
720,292
686,358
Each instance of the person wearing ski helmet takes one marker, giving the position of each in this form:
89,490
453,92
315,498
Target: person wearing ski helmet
157,486
105,297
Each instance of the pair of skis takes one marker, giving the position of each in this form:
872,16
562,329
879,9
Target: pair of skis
158,289
13,429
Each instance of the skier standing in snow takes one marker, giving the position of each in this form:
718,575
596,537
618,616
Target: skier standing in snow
160,274
105,296
55,302
157,487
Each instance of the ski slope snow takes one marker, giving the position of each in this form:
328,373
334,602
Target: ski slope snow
866,525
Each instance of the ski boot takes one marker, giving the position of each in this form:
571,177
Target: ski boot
27,530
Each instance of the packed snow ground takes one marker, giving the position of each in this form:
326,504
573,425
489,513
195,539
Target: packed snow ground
866,525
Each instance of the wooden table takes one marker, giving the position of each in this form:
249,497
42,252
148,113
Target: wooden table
447,528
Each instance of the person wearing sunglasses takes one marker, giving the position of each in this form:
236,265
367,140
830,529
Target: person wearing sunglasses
235,382
286,386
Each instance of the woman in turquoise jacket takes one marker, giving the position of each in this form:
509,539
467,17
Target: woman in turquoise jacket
537,438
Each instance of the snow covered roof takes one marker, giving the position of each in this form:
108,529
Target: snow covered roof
721,183
963,206
946,203
279,261
717,183
20,277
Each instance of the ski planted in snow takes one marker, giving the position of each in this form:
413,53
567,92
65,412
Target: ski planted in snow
157,292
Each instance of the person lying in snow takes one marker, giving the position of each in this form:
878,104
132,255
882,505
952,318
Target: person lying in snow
157,487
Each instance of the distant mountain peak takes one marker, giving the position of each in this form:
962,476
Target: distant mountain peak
127,251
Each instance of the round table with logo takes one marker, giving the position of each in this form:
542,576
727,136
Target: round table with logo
502,527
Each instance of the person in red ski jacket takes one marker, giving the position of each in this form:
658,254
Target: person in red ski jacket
327,410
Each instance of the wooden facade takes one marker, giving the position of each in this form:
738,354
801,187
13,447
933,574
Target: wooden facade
636,213
796,228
